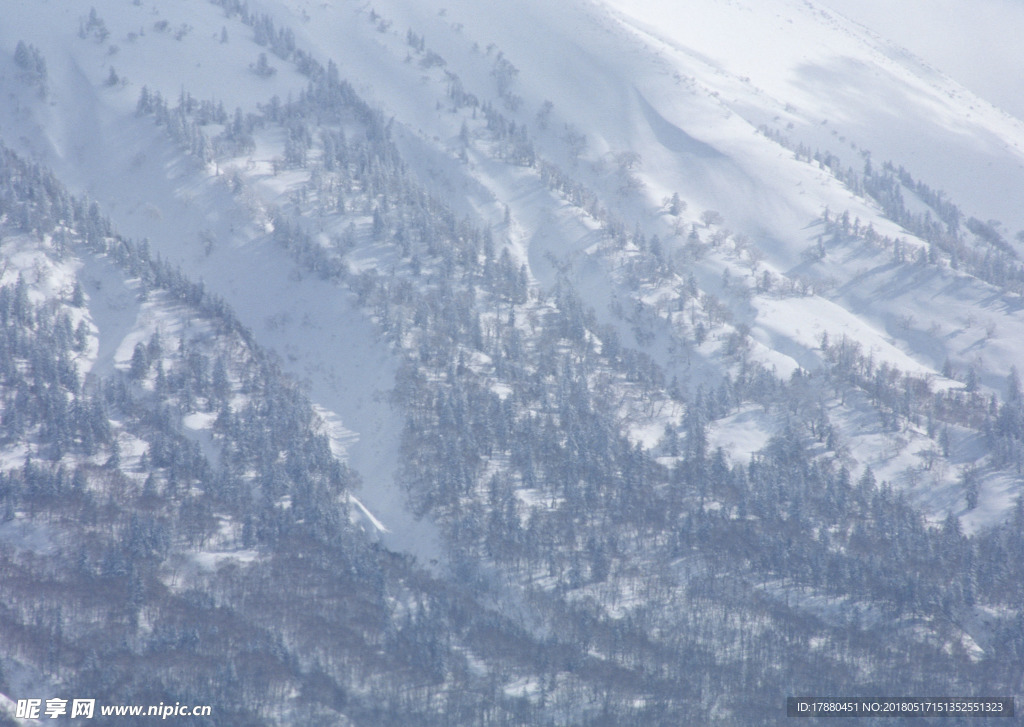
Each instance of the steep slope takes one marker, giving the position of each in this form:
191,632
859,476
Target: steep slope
668,382
169,496
682,111
985,55
674,116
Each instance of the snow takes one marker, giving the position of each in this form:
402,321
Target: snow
377,524
113,311
339,437
523,687
685,87
25,534
742,434
199,420
985,56
138,176
862,86
208,560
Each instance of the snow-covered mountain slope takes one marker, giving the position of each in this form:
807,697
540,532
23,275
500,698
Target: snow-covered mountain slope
90,133
974,44
639,102
587,290
680,107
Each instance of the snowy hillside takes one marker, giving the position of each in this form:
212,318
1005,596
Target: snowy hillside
589,304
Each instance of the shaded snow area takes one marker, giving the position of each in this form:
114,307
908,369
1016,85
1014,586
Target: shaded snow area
521,363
